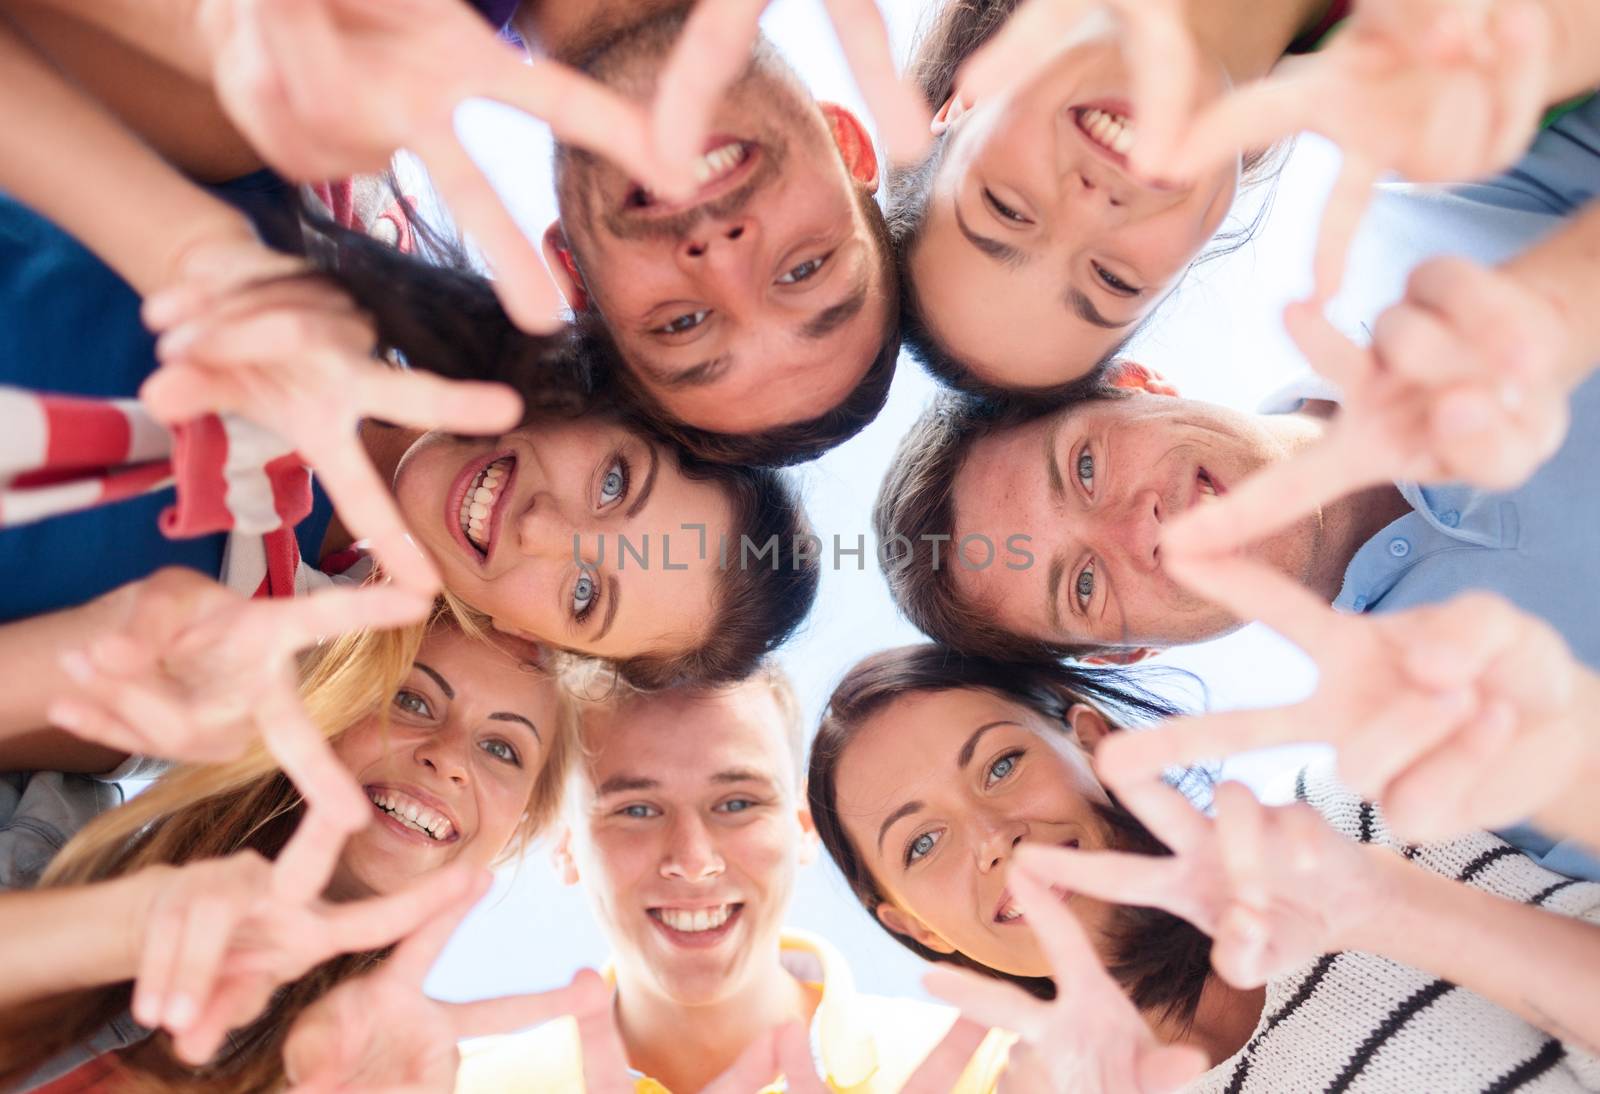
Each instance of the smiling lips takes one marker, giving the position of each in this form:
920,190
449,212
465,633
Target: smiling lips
410,812
478,503
696,928
720,162
1007,911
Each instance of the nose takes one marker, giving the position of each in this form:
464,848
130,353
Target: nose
690,853
1133,528
545,532
720,247
995,839
1087,193
445,753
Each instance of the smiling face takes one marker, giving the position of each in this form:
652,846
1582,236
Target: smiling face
451,775
761,300
936,791
528,528
1040,250
1092,486
686,830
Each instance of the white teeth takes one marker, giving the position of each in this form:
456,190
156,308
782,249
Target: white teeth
478,503
413,814
718,161
1108,130
696,920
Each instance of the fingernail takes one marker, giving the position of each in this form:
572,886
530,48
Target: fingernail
161,309
176,341
62,714
180,1012
1510,396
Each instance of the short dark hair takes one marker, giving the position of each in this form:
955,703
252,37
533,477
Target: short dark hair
1160,960
914,521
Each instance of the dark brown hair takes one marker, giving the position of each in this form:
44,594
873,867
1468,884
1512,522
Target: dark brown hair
955,32
1161,961
914,517
446,319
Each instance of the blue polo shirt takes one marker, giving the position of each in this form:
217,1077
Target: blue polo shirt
69,324
1538,545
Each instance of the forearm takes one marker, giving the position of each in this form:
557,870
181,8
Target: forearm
1564,269
30,663
66,157
1541,966
81,936
1576,812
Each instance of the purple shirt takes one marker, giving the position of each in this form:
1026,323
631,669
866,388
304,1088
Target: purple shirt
498,12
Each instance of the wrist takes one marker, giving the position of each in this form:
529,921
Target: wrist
129,905
1384,903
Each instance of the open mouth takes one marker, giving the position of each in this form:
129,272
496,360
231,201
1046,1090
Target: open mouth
411,815
726,162
473,509
1007,912
1108,131
696,927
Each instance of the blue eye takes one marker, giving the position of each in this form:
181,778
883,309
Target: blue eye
501,750
1084,586
686,322
921,846
615,484
802,272
412,703
585,593
1002,767
738,805
1086,470
638,812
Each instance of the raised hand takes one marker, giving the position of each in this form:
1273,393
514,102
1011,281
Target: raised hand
190,670
1456,716
223,934
1160,54
329,88
714,49
379,1032
1468,380
1436,91
1090,1039
1275,887
293,355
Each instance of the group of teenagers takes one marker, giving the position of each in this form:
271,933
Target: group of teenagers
318,529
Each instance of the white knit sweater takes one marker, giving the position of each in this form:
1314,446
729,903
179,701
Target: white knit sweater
1362,1023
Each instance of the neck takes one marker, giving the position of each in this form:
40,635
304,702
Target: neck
1223,1021
1342,526
685,1047
1249,36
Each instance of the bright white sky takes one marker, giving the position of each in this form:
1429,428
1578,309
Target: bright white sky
1219,339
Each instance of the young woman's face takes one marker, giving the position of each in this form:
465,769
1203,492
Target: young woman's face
451,774
529,528
1041,251
936,792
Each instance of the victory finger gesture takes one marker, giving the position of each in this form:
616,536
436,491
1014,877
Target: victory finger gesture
293,355
223,934
1091,1039
195,671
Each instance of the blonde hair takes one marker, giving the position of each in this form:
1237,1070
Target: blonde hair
198,812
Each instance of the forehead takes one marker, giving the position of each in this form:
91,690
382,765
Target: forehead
682,739
488,673
666,607
1009,324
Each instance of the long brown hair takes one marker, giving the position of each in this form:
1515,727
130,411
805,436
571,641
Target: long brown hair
1161,961
200,812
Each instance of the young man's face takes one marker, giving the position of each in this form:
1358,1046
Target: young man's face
686,830
1092,486
760,301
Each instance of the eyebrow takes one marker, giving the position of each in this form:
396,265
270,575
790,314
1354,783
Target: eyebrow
743,775
1058,492
507,716
831,319
622,784
904,811
611,609
444,686
1003,253
1084,308
964,757
706,372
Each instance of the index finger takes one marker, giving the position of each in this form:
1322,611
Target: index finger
713,48
1074,965
424,400
1254,591
938,1073
416,954
1124,759
1256,115
1341,216
896,106
305,864
307,759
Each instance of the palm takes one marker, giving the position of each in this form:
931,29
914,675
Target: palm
375,1033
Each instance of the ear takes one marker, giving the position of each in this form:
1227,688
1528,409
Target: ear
561,857
1137,377
1120,657
563,267
854,143
809,841
1088,725
900,923
948,114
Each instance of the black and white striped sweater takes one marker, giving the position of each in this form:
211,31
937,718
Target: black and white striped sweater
1364,1024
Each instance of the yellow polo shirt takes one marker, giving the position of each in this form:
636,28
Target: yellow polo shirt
867,1044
